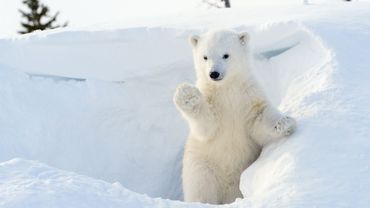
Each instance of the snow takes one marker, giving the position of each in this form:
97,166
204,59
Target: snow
89,117
33,184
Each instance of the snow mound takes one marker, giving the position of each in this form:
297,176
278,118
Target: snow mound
100,129
33,184
105,55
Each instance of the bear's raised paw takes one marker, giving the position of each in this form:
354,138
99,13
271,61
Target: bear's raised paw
188,97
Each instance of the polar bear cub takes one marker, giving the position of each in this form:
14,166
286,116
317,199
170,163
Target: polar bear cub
229,117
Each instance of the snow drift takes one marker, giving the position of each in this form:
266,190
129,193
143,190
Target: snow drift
98,106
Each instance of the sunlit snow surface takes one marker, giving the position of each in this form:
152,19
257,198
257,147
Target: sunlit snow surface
96,107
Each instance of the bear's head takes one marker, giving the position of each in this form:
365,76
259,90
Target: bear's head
220,54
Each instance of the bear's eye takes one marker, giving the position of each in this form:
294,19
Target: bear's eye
226,56
205,58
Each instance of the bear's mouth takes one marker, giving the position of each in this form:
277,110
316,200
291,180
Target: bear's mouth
217,79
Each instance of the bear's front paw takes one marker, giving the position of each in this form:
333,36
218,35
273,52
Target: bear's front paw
285,126
188,97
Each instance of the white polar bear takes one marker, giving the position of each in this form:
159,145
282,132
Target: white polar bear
229,117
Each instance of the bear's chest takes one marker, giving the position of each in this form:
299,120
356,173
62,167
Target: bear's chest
232,110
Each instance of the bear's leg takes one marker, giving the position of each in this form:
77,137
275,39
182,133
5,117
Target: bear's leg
271,125
200,184
196,111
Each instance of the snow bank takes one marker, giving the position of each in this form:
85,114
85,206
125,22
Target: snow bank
101,129
100,105
33,184
104,55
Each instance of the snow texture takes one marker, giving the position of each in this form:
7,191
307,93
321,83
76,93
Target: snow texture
96,107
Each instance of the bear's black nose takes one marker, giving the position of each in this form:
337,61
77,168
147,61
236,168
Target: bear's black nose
214,75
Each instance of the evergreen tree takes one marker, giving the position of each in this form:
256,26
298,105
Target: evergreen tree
35,17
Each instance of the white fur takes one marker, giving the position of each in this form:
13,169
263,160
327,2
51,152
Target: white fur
230,119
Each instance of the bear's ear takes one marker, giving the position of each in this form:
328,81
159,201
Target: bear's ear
194,40
243,38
